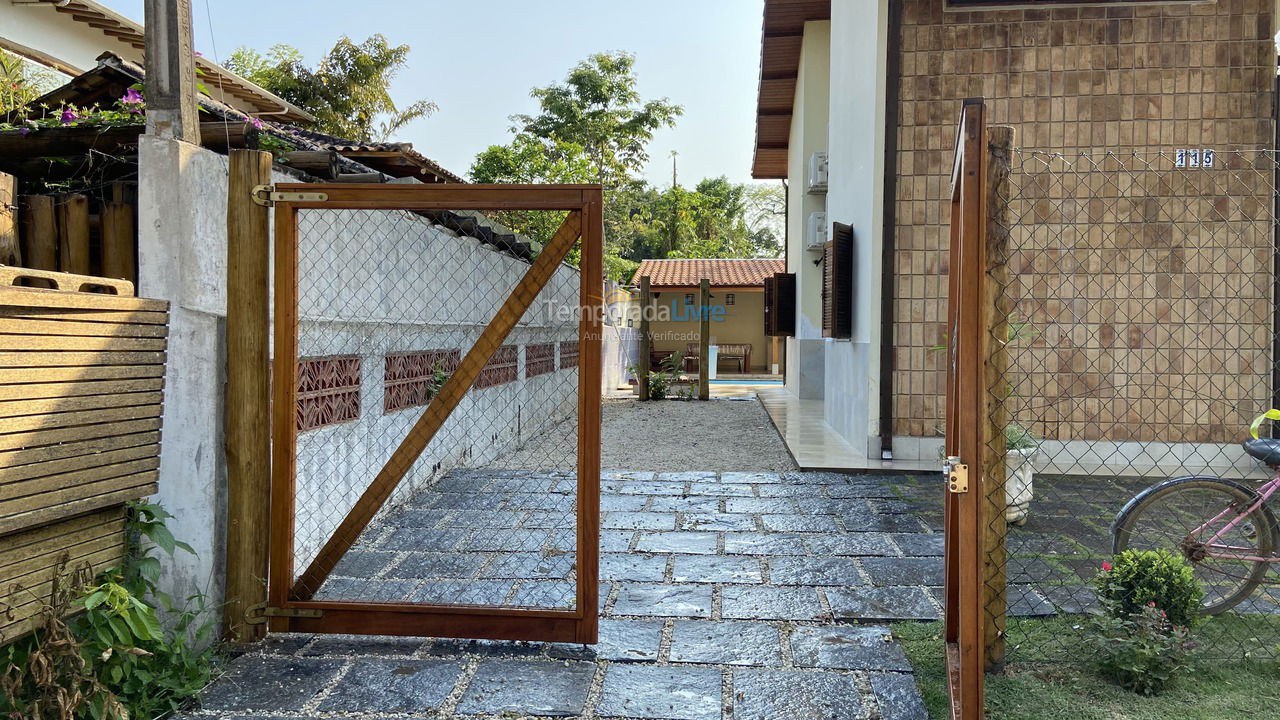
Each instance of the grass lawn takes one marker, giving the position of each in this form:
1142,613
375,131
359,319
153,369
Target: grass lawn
1215,690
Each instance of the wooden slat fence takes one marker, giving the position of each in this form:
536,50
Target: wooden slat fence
81,385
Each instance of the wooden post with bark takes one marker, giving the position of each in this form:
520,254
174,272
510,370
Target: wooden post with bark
646,342
10,250
73,234
995,311
39,236
704,339
119,242
248,424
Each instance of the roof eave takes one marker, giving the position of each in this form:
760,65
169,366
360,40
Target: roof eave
781,34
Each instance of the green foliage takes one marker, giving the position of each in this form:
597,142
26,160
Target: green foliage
1142,652
348,91
1018,437
114,659
1065,685
22,82
598,109
664,376
595,128
1137,579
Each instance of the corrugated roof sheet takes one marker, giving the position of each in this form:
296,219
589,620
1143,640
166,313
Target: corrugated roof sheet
721,273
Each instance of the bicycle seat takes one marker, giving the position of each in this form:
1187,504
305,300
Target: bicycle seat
1266,450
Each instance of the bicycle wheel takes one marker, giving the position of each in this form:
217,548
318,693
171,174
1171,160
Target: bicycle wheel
1178,515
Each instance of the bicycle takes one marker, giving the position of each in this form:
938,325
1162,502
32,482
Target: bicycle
1224,528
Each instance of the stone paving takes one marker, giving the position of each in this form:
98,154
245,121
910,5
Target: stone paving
723,595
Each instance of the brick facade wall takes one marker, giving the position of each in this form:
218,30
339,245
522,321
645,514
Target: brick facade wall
1146,289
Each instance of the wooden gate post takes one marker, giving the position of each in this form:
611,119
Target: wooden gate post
646,343
995,310
40,236
704,339
73,234
10,251
248,427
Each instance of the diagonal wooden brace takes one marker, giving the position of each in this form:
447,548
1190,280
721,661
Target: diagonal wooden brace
439,409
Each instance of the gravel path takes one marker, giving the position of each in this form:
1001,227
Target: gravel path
673,435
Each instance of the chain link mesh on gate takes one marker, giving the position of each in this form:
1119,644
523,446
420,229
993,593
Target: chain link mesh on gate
389,301
1139,325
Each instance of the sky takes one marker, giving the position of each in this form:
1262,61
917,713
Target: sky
478,60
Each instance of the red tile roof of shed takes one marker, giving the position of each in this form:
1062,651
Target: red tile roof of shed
721,273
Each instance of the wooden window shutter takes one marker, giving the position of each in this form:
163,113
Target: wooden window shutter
837,283
780,305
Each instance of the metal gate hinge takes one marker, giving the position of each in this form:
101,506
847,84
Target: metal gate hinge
266,196
258,614
957,475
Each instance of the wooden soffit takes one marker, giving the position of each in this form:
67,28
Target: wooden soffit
781,36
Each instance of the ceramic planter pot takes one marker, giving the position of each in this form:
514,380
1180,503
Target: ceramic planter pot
1018,488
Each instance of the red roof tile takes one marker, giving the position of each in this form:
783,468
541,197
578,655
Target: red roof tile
721,273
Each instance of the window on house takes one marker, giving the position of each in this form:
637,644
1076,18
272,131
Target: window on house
729,299
837,283
688,298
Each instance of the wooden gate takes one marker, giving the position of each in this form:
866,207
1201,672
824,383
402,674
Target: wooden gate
426,376
966,402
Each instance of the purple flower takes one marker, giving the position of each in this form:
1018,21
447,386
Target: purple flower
131,97
255,122
69,116
199,54
24,131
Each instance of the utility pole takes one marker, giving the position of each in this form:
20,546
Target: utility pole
675,210
171,71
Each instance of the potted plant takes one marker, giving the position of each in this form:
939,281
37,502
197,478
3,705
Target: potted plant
1020,448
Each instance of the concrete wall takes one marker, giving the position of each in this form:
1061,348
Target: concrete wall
182,251
805,374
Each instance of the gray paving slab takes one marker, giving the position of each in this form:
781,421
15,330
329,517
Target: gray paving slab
270,684
700,543
750,602
898,697
903,571
763,543
386,686
648,599
796,695
881,604
661,693
528,687
635,567
715,569
848,647
811,570
717,521
725,643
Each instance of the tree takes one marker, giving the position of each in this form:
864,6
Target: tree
348,92
598,108
22,82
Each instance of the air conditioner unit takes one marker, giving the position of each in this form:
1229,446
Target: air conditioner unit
815,236
817,173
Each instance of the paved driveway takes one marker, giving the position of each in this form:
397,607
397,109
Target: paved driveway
724,595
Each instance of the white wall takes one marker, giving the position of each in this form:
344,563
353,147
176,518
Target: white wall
855,195
40,27
806,351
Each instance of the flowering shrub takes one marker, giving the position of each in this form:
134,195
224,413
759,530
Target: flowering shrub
1141,577
1143,652
1151,599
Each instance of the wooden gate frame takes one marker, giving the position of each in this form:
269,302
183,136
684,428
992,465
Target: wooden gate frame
964,522
290,608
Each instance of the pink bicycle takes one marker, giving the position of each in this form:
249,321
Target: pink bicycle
1224,528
